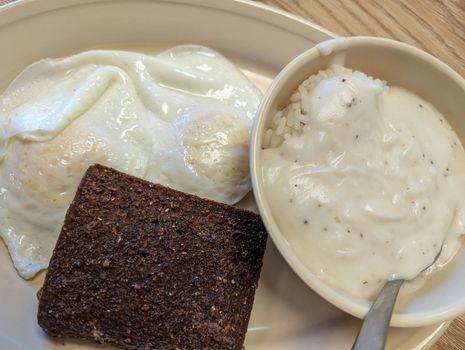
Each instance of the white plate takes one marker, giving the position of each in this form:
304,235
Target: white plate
286,313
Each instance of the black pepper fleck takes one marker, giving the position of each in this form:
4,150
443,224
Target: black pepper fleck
352,102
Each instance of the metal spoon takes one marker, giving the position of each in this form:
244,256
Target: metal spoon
373,333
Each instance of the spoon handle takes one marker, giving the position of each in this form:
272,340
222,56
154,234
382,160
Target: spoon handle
373,333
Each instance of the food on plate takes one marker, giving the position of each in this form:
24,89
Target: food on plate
365,181
181,119
142,266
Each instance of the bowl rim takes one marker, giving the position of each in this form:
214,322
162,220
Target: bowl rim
352,306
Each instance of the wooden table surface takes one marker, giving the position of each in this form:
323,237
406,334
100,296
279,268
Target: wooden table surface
436,26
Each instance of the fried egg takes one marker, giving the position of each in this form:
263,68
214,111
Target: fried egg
181,119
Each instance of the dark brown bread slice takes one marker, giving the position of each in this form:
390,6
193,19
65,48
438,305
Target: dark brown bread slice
141,266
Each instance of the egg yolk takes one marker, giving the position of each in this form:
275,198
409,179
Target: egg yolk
50,171
217,146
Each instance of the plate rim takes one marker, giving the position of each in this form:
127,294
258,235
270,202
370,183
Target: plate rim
15,8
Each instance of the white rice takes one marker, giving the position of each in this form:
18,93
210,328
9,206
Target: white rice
293,119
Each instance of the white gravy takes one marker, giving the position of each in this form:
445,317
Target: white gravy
371,187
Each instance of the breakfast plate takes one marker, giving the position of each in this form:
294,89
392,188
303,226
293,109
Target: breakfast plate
258,39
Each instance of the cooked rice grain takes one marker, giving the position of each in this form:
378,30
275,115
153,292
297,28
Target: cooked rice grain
293,119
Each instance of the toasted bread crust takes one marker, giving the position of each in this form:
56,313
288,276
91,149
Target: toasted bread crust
142,266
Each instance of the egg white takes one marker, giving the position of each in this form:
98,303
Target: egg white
181,119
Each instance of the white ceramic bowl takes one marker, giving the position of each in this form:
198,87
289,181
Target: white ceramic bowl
400,65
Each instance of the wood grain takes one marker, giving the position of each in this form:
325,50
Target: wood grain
432,25
436,26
